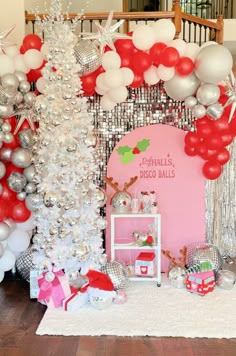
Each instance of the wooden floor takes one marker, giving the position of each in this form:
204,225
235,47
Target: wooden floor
20,316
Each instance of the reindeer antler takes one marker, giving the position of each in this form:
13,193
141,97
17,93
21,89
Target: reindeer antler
183,257
128,184
112,184
168,255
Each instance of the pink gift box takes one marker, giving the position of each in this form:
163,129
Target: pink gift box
53,288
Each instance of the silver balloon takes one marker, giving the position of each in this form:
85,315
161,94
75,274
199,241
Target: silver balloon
26,138
226,279
29,172
199,111
180,87
4,231
21,195
5,154
190,102
18,98
24,86
6,110
177,277
7,95
215,110
87,56
20,75
21,157
16,181
100,303
33,202
30,188
2,170
6,127
118,274
8,137
208,94
9,80
29,98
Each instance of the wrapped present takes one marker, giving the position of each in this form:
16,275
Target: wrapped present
34,285
53,288
75,301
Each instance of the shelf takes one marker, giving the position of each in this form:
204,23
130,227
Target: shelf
133,247
138,215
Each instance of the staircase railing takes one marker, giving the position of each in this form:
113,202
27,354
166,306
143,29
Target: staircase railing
188,27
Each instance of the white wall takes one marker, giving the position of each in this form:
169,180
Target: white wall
12,13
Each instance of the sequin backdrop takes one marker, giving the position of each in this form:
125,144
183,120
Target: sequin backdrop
150,105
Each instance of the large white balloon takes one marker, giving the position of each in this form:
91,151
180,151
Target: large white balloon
143,37
6,65
27,225
128,75
4,231
165,73
33,58
178,44
101,84
20,64
164,30
113,78
118,95
18,241
107,103
192,50
150,76
11,51
213,64
7,261
180,87
111,60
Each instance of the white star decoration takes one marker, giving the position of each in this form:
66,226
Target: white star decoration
231,93
106,34
25,115
4,35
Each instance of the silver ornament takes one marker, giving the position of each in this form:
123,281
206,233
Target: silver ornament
100,302
24,263
2,170
30,188
6,127
16,181
177,277
117,273
204,252
9,80
87,56
29,98
21,157
6,110
226,279
82,252
21,196
29,172
20,75
215,110
208,94
7,95
8,137
24,86
4,231
100,196
5,154
121,202
50,199
26,138
33,202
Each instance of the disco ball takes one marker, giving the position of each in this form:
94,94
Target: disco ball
24,263
87,56
117,273
203,252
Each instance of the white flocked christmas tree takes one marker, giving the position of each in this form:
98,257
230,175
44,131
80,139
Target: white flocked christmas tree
67,204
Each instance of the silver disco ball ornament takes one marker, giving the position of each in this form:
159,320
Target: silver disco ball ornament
121,202
204,252
226,279
16,181
24,263
100,302
177,277
117,273
87,56
26,138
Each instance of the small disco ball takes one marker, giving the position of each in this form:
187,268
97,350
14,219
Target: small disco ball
87,56
24,263
100,302
118,274
121,202
226,279
204,252
177,277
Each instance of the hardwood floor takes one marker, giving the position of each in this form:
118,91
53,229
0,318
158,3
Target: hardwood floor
20,316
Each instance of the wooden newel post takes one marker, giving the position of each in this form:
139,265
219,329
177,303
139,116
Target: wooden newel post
178,17
220,32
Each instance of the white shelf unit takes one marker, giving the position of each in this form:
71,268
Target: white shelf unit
157,247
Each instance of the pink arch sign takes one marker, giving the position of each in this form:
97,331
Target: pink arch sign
156,155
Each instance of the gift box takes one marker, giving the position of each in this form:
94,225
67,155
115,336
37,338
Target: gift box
145,264
200,282
75,301
53,288
34,285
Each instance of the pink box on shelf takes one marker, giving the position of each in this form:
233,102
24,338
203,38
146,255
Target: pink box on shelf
145,264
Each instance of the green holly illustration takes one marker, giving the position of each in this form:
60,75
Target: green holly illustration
128,153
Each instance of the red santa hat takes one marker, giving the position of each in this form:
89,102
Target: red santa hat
98,280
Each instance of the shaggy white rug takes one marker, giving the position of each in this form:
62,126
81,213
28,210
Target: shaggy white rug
152,311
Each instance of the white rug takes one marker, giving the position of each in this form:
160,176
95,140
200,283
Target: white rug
152,311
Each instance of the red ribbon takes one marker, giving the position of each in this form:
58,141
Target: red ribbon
52,289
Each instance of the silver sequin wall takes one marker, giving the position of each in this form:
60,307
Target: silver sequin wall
151,105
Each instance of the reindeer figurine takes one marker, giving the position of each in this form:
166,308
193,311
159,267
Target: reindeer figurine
121,200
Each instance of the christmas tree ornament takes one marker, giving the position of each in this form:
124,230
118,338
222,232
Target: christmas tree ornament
87,56
204,252
21,157
117,273
177,277
225,279
24,263
26,138
16,181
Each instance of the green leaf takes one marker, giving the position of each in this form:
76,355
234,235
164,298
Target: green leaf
127,157
143,145
123,149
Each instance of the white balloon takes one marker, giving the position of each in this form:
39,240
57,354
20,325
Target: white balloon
4,231
33,58
180,45
2,249
6,65
213,64
118,95
100,83
1,275
143,37
150,76
41,85
100,91
18,240
128,75
164,30
20,64
190,102
11,224
165,73
113,78
111,60
27,225
11,51
208,43
7,261
191,51
44,49
106,103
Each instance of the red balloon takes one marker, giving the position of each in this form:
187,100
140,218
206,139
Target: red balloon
208,154
126,60
202,121
232,126
23,49
141,62
222,156
221,124
138,81
214,142
32,41
212,169
7,193
190,151
124,45
89,82
18,212
10,168
155,52
4,209
201,149
184,66
169,57
192,139
227,137
205,130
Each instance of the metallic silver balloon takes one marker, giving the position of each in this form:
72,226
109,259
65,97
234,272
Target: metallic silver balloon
5,154
7,95
30,188
26,138
6,111
2,170
18,98
9,80
16,181
24,86
21,195
6,127
87,56
180,87
33,202
208,94
29,172
226,279
4,231
190,102
29,98
21,157
8,137
177,277
20,75
215,110
199,111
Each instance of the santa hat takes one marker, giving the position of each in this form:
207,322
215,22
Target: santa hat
98,280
